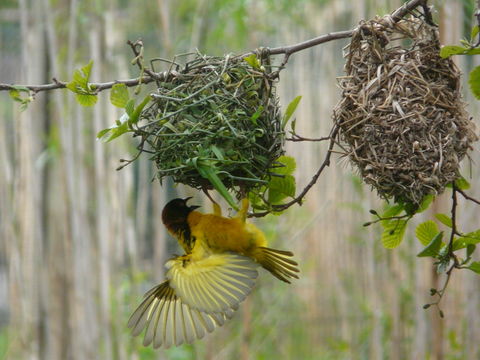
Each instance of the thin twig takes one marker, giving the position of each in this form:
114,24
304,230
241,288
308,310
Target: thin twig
477,15
140,151
454,218
450,255
397,217
137,48
296,137
396,16
57,84
299,198
468,197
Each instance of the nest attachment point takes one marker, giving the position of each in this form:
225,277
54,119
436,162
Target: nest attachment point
401,118
220,113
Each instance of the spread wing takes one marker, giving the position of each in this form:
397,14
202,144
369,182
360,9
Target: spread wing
212,284
169,321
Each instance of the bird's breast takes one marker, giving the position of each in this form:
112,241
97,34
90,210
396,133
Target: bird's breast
218,234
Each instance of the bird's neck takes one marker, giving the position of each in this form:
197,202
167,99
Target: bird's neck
182,232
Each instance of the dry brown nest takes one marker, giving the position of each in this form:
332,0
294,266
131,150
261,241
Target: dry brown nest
401,118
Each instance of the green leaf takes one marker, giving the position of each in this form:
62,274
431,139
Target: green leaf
474,266
450,50
83,75
281,187
474,32
392,210
119,95
138,110
79,83
473,51
471,238
15,95
85,95
290,110
217,152
410,208
458,244
253,61
470,250
208,172
74,87
256,115
426,231
287,167
256,200
86,99
474,82
24,101
433,247
293,124
393,231
130,107
462,184
103,132
426,201
117,131
444,219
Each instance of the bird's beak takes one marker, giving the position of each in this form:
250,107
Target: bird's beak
193,207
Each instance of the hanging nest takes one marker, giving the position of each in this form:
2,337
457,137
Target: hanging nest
219,114
401,118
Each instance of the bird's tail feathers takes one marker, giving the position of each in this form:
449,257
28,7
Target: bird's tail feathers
278,262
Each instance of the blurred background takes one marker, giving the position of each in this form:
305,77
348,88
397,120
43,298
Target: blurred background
81,242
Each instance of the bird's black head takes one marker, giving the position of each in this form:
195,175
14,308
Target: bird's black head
175,213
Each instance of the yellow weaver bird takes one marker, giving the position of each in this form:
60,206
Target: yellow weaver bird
206,285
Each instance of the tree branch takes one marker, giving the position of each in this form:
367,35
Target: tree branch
466,196
151,76
396,16
299,198
56,84
477,15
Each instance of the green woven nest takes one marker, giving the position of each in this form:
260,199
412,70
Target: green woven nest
219,114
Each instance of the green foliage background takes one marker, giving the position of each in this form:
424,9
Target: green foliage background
80,243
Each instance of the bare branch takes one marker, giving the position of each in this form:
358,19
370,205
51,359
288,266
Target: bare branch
396,16
299,198
467,196
56,84
477,15
296,137
454,217
151,76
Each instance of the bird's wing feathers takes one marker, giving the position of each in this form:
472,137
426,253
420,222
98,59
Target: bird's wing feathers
212,284
170,321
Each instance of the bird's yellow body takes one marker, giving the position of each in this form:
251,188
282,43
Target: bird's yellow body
206,285
214,233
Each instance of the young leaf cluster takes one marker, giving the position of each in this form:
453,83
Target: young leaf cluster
120,97
395,218
22,95
85,93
